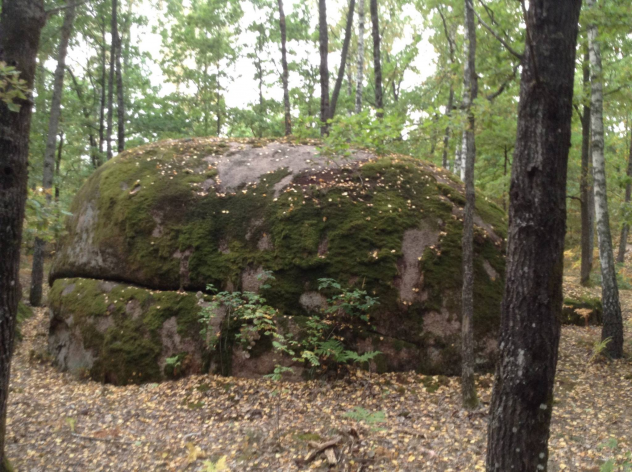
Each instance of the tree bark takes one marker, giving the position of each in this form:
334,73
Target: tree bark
612,321
470,93
623,240
360,66
343,60
377,63
285,75
120,100
110,117
448,112
103,97
587,209
458,157
522,398
60,148
446,136
21,22
37,273
95,158
323,38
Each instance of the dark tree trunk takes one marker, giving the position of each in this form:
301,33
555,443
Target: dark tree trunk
103,83
446,136
110,118
522,398
60,148
219,103
120,100
470,93
506,162
377,63
285,75
623,240
95,158
21,22
37,273
587,205
448,112
343,60
323,39
360,66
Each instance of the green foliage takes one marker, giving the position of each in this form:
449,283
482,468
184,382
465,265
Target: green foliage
12,88
620,461
320,345
598,349
210,466
361,130
366,416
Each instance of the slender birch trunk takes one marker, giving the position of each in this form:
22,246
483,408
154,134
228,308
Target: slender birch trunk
612,321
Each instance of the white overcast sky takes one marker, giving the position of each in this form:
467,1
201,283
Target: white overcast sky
243,90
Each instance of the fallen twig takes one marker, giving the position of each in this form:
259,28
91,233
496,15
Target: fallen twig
93,438
320,448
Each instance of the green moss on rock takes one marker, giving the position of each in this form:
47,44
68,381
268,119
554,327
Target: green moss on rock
175,215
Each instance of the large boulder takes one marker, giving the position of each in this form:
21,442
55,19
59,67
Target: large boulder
160,222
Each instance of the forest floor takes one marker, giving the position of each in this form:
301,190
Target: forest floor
391,422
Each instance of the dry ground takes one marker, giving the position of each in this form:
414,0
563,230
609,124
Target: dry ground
408,422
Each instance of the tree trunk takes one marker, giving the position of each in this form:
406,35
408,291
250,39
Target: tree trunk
470,93
377,64
323,39
343,60
60,148
103,82
285,75
219,103
110,118
95,158
522,399
446,136
360,66
37,273
120,101
612,322
458,154
21,22
460,171
623,240
587,197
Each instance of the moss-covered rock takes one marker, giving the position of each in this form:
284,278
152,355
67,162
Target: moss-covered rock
582,311
178,215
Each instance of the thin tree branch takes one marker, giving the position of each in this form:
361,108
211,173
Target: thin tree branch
497,36
503,86
52,11
447,34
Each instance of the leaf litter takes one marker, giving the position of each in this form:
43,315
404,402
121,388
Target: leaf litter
395,421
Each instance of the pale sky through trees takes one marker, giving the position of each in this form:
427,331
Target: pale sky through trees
243,90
